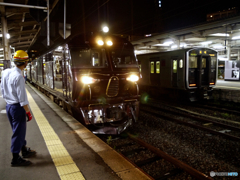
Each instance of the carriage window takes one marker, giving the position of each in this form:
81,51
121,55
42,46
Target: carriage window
181,63
204,65
157,67
192,62
174,66
152,67
140,67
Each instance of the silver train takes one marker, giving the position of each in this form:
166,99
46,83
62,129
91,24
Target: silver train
190,73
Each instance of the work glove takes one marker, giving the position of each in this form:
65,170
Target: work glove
29,116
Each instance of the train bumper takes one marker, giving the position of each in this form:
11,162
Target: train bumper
110,118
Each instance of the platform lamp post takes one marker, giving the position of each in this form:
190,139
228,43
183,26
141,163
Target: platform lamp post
5,43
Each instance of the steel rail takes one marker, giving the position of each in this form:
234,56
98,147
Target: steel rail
192,125
173,160
203,119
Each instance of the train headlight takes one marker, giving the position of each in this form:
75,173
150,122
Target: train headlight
133,78
88,80
100,42
109,43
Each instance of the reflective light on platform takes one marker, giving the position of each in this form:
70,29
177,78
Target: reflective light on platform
66,167
3,111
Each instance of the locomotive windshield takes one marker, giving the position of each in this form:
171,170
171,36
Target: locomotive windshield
88,58
123,58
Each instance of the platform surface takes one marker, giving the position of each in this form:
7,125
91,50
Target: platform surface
65,148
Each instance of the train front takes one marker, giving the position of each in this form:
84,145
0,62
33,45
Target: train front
105,89
201,72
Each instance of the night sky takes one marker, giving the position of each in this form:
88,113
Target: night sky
143,17
182,13
129,17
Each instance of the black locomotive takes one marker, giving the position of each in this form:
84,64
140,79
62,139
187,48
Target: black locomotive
190,73
94,78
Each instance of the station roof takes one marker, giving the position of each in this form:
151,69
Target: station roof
22,27
218,35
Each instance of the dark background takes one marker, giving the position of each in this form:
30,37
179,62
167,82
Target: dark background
129,18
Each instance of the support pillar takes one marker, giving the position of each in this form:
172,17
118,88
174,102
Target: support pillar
5,42
229,53
238,55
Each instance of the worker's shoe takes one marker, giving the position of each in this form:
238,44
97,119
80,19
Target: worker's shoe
27,152
20,162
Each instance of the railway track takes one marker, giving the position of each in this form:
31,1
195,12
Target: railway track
191,119
132,147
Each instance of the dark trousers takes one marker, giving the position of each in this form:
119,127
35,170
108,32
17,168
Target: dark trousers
17,118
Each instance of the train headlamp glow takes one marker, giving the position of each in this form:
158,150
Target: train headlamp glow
133,78
100,42
109,43
87,80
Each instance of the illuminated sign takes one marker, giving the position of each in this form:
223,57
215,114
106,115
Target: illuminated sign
193,54
212,54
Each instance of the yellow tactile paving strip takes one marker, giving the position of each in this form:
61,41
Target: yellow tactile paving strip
124,169
66,168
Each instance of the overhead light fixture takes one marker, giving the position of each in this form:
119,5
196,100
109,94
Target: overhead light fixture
220,34
168,43
183,45
217,46
206,42
174,46
8,36
236,37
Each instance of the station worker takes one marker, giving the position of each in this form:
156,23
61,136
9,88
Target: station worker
14,93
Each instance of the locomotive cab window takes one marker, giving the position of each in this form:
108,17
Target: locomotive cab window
192,62
123,58
88,58
95,59
204,63
213,62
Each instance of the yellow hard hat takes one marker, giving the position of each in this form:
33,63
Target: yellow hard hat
20,56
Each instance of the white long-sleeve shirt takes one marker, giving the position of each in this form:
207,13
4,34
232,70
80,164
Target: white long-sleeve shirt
13,87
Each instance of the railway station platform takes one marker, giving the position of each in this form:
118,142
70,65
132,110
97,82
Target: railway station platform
66,150
227,91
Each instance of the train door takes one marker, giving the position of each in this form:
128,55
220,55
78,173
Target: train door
204,69
66,74
155,71
48,70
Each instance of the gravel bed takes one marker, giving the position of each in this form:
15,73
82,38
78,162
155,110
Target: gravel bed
203,152
225,117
